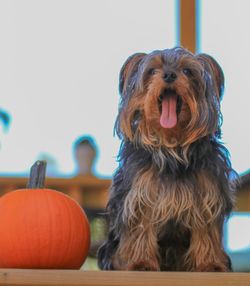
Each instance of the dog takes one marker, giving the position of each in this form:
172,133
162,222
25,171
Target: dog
172,192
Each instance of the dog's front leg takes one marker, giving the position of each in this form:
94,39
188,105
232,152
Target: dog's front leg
206,252
138,250
106,252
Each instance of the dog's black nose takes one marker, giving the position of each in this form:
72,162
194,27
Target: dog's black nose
170,77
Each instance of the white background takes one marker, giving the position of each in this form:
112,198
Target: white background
225,35
59,66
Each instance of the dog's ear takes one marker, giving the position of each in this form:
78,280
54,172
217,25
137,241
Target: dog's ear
214,70
129,69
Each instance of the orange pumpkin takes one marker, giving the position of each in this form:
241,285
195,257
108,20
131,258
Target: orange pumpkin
42,228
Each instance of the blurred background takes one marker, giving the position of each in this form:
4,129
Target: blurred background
59,66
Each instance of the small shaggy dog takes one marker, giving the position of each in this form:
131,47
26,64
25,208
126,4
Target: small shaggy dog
171,193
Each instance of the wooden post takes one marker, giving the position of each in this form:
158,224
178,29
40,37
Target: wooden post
187,25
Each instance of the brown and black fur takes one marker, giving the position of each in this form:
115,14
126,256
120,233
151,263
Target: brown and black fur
171,192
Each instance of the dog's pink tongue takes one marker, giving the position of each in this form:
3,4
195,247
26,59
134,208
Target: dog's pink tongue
168,114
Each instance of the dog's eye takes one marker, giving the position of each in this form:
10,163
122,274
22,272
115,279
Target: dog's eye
152,71
187,72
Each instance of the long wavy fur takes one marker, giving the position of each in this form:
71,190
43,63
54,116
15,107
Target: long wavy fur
169,199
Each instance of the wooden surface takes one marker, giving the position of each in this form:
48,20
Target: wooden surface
188,24
116,278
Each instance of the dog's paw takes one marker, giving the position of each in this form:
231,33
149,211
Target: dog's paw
213,268
144,266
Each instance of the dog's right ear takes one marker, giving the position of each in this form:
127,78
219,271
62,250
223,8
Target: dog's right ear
129,69
215,70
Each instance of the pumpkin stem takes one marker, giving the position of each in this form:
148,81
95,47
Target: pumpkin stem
37,175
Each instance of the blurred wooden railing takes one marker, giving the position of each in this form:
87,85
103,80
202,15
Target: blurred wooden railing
92,192
243,201
88,191
243,194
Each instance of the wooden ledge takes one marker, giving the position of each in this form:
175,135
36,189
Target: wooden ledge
117,278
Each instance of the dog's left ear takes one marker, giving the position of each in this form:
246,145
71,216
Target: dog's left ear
215,71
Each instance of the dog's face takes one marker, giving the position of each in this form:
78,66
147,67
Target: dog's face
169,98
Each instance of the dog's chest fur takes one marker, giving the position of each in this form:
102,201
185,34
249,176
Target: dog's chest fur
154,200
